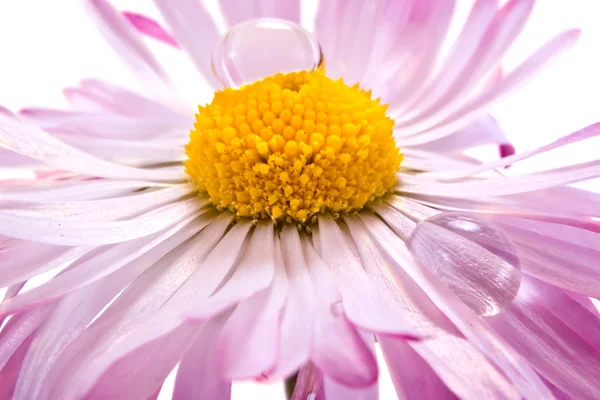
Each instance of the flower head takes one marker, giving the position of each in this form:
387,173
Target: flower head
308,211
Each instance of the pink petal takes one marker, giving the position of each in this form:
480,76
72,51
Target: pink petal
297,322
413,378
309,383
70,316
254,274
194,29
457,363
482,13
254,353
10,372
140,253
557,254
97,233
235,11
550,346
577,136
18,329
491,46
30,259
473,327
361,300
338,350
417,71
150,27
104,209
141,372
142,315
482,131
399,291
128,45
289,10
469,110
197,377
94,95
583,322
79,190
103,124
37,144
509,185
335,390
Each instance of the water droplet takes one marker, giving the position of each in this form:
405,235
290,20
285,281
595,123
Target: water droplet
258,48
470,256
337,309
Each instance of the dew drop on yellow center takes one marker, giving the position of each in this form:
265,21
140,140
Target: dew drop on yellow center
292,146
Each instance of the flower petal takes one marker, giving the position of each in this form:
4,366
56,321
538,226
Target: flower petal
418,380
78,190
195,31
69,318
197,377
128,45
150,27
561,356
37,144
297,321
105,209
580,135
491,46
361,300
142,314
561,255
471,109
136,256
338,350
482,13
253,275
484,130
473,327
254,354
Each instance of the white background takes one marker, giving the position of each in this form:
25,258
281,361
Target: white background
46,45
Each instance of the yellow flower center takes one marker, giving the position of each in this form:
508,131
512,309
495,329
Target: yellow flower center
291,146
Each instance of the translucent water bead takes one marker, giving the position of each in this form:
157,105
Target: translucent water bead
262,47
470,256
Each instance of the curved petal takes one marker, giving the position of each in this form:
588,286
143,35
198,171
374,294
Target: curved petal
560,355
253,354
37,144
338,350
413,378
474,328
150,27
197,377
137,255
140,315
471,109
195,31
297,321
128,45
361,300
97,233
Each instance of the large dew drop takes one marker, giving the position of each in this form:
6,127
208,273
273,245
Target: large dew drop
262,47
470,256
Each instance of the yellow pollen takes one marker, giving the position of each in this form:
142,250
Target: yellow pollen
291,146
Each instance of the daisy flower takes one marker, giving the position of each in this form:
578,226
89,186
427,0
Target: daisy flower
320,203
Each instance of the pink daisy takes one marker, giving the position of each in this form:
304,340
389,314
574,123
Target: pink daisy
305,219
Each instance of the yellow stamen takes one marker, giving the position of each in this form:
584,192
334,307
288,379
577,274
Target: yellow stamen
291,146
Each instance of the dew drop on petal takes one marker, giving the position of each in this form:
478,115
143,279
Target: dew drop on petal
470,256
261,47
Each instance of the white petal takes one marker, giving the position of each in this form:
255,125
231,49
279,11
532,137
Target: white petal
37,144
96,233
